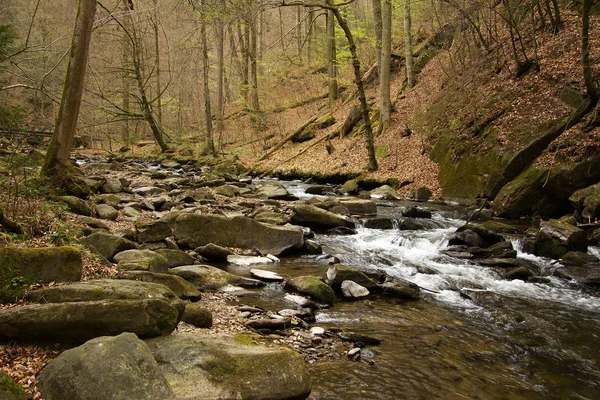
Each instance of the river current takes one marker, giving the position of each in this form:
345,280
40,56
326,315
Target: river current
522,341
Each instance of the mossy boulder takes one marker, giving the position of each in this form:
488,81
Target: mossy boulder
207,278
105,368
193,230
312,286
522,196
587,201
500,227
360,206
141,260
182,288
218,367
556,238
107,245
176,258
400,289
76,205
197,316
421,194
80,321
20,267
8,225
152,231
9,389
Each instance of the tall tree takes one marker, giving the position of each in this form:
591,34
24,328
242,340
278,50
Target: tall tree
331,58
408,53
385,103
377,22
592,90
56,164
125,67
210,144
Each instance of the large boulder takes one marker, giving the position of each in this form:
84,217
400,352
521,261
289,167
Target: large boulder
176,258
312,286
340,273
400,288
105,368
207,278
556,238
272,190
152,231
141,260
197,316
182,288
385,192
317,218
475,235
105,211
587,202
20,267
9,389
193,230
360,206
106,244
521,196
76,205
81,321
211,367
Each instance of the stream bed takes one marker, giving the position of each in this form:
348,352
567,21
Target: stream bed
519,340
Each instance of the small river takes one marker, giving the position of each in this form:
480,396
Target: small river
523,341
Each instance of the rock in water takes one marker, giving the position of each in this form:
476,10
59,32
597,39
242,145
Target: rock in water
313,287
193,230
105,368
353,290
219,367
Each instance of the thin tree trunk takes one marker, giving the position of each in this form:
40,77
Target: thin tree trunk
125,65
385,103
331,58
220,75
378,29
309,35
157,52
299,32
359,84
244,62
56,164
210,144
254,102
410,69
592,90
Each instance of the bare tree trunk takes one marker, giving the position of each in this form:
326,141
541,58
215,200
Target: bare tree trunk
385,103
220,74
331,58
592,90
56,164
378,28
244,55
408,53
299,32
125,65
309,35
210,144
359,84
157,52
254,102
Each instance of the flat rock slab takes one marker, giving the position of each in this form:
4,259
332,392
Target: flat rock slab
61,264
268,276
193,230
107,245
182,288
317,218
207,367
248,260
208,278
80,321
102,289
105,368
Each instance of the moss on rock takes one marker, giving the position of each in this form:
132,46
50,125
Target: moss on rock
314,287
9,389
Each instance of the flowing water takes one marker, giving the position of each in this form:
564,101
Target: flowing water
521,341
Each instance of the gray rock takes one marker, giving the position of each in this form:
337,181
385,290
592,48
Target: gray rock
142,260
197,316
76,205
170,164
106,244
385,192
272,190
340,273
248,260
93,223
81,321
207,278
416,212
197,195
267,276
227,190
182,288
313,247
218,367
148,190
401,289
112,185
273,218
421,194
105,368
360,206
380,223
353,290
131,212
104,211
193,230
213,252
152,231
316,218
318,189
